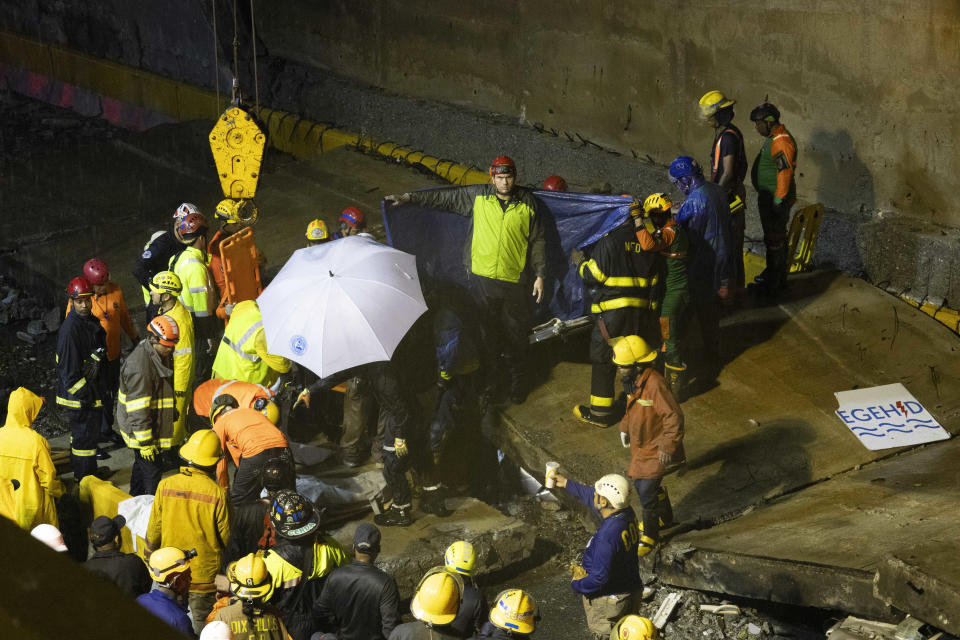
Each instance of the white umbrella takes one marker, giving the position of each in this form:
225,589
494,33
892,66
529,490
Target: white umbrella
341,304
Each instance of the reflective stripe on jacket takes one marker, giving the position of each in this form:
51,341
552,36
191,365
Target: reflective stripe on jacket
77,342
182,368
111,310
198,295
620,273
146,408
242,354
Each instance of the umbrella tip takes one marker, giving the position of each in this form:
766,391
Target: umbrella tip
331,273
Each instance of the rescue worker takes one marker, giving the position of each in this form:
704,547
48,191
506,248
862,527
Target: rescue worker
773,178
658,231
317,233
513,616
248,396
652,429
198,293
728,168
165,288
146,407
506,242
25,457
170,570
251,529
705,216
620,276
191,511
234,217
555,183
608,574
633,627
158,251
251,440
247,611
110,309
352,223
81,351
300,561
243,354
435,606
359,601
461,559
125,570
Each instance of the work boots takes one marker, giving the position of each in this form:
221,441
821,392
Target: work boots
394,517
432,501
585,414
676,376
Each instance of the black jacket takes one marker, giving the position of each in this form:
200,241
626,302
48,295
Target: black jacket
619,268
125,570
472,614
81,350
156,257
417,630
359,602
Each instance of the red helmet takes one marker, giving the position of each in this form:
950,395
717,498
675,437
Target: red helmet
503,164
79,287
353,217
191,226
95,271
555,183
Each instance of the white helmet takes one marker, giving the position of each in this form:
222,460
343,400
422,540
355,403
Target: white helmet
184,210
614,488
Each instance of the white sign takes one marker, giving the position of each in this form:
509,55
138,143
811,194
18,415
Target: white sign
888,416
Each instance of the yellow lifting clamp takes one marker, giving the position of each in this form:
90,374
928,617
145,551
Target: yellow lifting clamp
803,236
237,144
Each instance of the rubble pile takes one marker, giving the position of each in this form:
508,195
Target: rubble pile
17,304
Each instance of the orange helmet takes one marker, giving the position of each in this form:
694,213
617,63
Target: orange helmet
353,217
79,287
165,330
191,226
503,164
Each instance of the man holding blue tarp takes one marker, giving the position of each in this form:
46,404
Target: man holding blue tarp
506,242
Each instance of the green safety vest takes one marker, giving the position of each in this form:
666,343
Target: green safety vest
499,247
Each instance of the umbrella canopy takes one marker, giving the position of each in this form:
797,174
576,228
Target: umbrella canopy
341,304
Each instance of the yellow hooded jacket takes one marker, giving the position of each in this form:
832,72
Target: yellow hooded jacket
25,457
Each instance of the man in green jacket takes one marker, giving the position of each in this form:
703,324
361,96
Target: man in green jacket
505,243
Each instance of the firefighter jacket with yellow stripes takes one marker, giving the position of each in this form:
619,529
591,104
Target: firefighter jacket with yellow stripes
242,354
146,408
294,567
619,273
80,343
199,294
182,368
191,511
25,457
502,234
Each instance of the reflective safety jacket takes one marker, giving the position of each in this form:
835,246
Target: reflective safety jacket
244,433
79,342
190,511
146,408
502,234
111,310
199,295
25,457
242,354
182,368
246,394
773,170
264,624
620,272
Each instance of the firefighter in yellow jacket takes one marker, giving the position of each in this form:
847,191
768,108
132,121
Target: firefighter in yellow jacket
165,289
243,349
25,457
199,293
191,511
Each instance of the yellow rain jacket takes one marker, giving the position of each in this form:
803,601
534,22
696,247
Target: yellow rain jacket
242,354
182,369
191,511
25,457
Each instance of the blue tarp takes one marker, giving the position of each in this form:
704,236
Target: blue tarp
570,220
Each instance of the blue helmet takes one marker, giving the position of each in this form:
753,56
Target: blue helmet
685,167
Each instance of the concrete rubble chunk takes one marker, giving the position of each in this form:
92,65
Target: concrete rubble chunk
753,629
52,319
36,328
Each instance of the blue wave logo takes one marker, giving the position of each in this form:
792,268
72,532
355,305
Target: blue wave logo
894,427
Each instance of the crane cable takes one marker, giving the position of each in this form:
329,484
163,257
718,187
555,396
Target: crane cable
256,79
216,54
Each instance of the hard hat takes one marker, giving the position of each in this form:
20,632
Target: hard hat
555,183
192,226
79,287
438,597
460,557
236,211
184,210
166,281
656,202
165,330
249,578
268,408
95,271
685,166
216,630
713,101
515,610
503,164
202,449
317,231
220,404
293,516
278,474
630,350
614,488
168,561
50,536
766,112
353,217
633,627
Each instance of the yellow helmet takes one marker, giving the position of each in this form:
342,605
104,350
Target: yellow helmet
628,350
237,211
202,449
249,578
268,408
166,282
713,101
317,231
460,558
515,610
633,628
167,561
438,597
656,202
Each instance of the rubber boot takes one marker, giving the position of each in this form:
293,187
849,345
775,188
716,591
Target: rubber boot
664,508
645,546
394,517
676,376
584,414
432,501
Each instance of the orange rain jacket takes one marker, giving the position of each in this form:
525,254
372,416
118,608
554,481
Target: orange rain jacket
244,433
246,394
111,310
654,421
